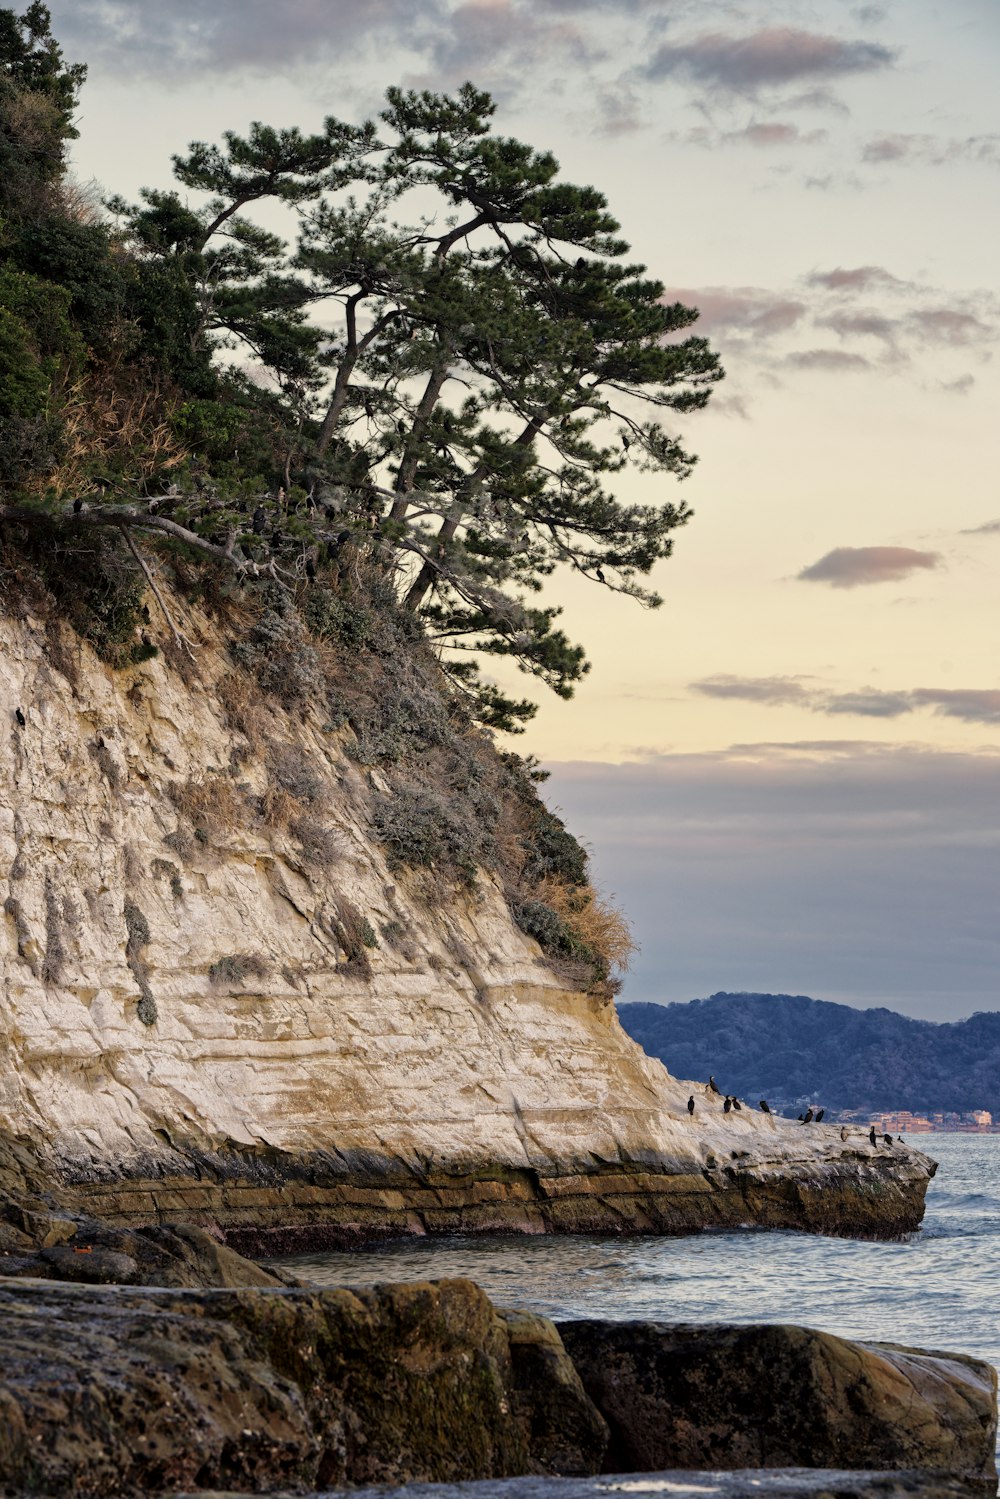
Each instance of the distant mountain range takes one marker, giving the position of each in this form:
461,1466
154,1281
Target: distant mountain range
790,1049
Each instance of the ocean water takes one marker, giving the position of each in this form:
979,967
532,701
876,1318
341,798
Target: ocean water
940,1289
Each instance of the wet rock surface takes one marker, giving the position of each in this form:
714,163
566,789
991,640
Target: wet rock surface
126,1391
788,1484
115,1391
774,1396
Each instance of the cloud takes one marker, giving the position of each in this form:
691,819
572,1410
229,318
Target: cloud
762,133
989,528
971,705
852,567
873,703
774,691
835,360
839,868
232,35
480,33
949,325
860,278
959,387
740,309
930,150
774,56
862,324
620,112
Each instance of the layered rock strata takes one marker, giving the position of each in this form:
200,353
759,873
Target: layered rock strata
248,1021
126,1391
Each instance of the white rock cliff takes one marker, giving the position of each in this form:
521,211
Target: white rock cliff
289,1082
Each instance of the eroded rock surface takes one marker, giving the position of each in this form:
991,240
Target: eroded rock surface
121,1392
773,1396
184,1034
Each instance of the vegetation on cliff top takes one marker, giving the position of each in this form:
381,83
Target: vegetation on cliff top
380,440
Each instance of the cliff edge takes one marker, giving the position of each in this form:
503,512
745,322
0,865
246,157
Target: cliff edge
227,999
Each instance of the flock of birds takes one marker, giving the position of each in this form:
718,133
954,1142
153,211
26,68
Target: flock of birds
730,1102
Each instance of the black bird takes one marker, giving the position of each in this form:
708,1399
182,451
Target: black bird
872,1136
764,1108
599,575
77,505
581,264
728,1104
737,1105
807,1117
310,568
248,554
626,442
819,1115
714,1085
802,1118
259,519
20,717
691,1104
887,1139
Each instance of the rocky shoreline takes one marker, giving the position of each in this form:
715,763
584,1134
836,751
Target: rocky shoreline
125,1390
272,1206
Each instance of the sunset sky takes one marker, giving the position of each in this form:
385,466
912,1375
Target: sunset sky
790,773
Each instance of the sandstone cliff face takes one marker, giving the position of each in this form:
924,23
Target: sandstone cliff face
251,1020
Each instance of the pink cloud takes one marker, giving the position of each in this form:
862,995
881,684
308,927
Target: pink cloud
852,567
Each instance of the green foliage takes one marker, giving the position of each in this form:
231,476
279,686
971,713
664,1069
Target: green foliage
38,95
279,654
550,931
76,260
97,589
425,828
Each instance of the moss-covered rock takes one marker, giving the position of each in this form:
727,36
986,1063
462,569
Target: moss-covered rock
772,1396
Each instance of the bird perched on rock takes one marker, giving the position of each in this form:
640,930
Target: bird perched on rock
259,520
843,1131
20,717
872,1135
77,505
714,1085
737,1105
764,1106
728,1104
807,1117
887,1139
691,1104
819,1115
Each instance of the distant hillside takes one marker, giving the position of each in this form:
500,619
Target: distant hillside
787,1047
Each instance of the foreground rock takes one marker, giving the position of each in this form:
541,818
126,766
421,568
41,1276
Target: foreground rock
43,1236
771,1396
258,1026
119,1392
122,1391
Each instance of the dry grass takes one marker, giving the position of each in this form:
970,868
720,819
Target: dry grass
116,419
594,920
211,805
243,707
236,967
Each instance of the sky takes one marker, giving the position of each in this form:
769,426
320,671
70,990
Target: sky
789,774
